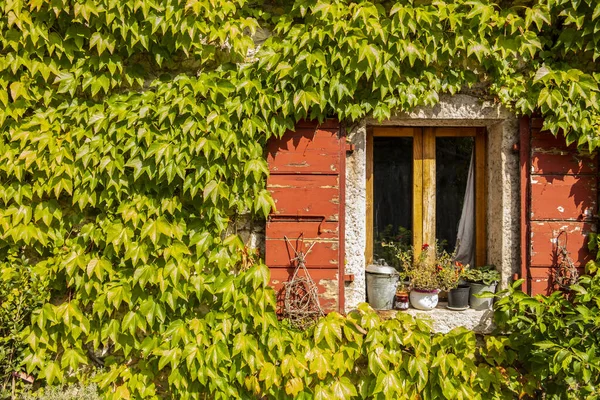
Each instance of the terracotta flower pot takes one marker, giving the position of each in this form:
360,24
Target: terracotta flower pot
424,299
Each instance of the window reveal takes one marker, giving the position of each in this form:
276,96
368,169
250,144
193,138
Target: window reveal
416,182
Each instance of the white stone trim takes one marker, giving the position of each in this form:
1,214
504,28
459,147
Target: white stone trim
502,181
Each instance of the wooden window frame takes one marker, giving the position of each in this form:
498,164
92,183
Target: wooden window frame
424,183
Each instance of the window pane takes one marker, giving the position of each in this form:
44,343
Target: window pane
392,195
453,159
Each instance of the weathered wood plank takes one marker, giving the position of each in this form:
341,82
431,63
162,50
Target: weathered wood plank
369,199
462,131
293,228
323,254
305,151
563,197
313,195
547,235
327,281
301,235
429,195
418,190
392,131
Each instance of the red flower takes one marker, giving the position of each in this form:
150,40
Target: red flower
439,267
425,247
458,263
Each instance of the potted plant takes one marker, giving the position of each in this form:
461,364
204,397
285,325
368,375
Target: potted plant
450,275
482,279
401,298
423,272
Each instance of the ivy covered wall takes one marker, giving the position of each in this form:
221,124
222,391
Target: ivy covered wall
133,134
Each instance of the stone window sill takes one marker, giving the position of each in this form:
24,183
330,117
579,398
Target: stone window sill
444,320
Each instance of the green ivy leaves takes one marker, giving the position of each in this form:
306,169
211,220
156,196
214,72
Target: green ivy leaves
133,138
554,336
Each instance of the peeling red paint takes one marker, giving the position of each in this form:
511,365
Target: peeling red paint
307,150
325,279
306,168
561,191
545,240
563,197
305,194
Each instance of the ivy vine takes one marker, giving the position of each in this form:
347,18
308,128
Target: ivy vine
133,135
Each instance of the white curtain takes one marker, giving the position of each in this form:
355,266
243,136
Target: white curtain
465,238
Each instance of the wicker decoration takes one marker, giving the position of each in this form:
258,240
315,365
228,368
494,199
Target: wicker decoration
301,302
565,274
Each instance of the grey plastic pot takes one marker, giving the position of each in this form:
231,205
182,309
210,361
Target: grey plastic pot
481,303
458,298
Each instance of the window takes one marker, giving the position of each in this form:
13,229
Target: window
419,188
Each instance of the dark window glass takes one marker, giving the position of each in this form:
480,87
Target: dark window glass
453,158
392,195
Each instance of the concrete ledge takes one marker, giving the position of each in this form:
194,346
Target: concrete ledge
444,320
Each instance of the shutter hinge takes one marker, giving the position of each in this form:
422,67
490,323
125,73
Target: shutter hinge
349,147
298,218
516,277
348,277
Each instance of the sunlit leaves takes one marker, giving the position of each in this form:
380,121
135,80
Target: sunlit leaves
328,329
73,358
133,139
388,384
154,229
343,388
264,203
152,310
547,333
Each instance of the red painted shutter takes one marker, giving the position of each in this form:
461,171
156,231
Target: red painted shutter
307,172
559,203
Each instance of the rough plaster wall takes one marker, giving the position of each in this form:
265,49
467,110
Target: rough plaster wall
251,232
503,199
457,110
356,211
502,173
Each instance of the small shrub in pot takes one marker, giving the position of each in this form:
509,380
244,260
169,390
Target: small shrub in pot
426,274
451,274
482,280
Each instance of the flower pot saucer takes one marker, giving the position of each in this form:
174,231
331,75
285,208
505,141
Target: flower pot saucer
457,308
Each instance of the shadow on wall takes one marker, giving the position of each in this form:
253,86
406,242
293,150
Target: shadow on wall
565,168
563,206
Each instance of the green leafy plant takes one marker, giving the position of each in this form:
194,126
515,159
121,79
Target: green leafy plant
71,392
420,268
451,273
486,275
21,292
433,268
555,338
133,136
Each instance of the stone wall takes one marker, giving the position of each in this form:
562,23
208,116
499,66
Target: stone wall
251,232
502,181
